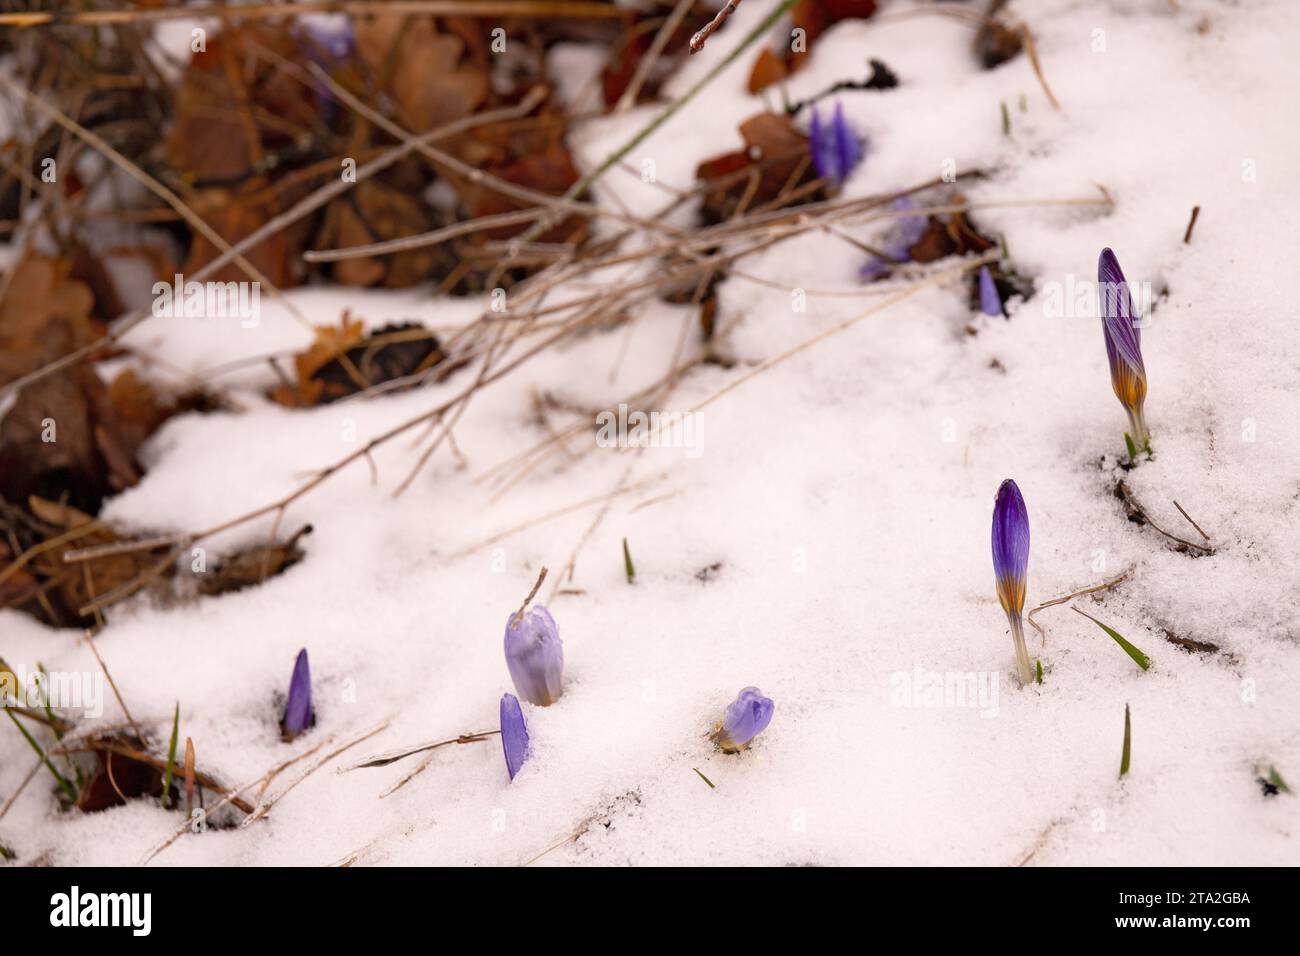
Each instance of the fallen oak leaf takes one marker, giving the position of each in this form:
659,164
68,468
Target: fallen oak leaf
809,20
424,69
118,780
49,532
375,212
768,69
235,216
44,313
948,235
776,157
234,107
330,343
343,361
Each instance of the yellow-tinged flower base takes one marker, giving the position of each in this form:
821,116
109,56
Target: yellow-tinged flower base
1011,592
1131,390
725,744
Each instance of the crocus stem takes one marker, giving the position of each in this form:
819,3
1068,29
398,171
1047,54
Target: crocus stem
1022,655
1141,437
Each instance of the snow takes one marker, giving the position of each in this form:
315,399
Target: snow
845,494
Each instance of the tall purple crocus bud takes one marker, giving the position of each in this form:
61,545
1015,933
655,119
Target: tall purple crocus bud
990,301
514,734
836,149
1123,334
534,652
298,712
1011,563
746,717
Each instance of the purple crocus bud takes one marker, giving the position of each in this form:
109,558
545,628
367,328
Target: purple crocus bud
835,149
906,233
1123,334
332,34
746,717
298,713
910,228
535,655
327,40
514,734
1011,564
990,301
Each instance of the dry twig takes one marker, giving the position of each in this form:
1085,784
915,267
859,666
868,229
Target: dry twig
1094,589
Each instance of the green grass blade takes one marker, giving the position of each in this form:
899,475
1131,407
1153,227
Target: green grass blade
54,722
45,699
1128,744
171,759
63,781
705,779
1139,658
628,569
1275,778
1038,670
1132,448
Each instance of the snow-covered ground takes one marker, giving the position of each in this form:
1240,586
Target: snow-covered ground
842,501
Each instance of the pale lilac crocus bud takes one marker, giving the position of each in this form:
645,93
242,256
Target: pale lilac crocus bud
332,33
327,40
1011,565
535,655
298,713
990,301
906,232
1123,335
514,734
746,717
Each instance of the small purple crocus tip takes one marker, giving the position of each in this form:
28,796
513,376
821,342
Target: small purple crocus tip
298,712
990,301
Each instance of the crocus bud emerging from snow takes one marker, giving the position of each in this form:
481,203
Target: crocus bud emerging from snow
1010,564
836,149
298,713
906,233
746,717
514,734
1119,323
535,655
990,301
